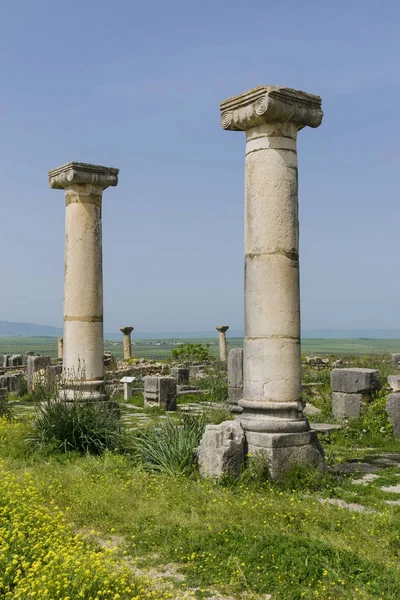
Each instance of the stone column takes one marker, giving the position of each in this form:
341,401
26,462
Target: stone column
83,185
272,406
60,343
223,354
127,341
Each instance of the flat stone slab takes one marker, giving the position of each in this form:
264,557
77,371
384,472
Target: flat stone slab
325,428
387,462
393,502
354,506
357,467
366,479
392,489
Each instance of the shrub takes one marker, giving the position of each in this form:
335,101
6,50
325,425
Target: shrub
84,427
193,353
169,446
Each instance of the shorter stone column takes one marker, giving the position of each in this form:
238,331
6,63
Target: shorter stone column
35,363
16,360
396,361
160,391
60,348
222,329
127,341
350,389
235,379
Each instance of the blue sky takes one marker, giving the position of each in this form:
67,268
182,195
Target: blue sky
137,86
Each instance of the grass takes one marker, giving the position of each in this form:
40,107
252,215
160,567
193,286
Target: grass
247,538
259,537
148,348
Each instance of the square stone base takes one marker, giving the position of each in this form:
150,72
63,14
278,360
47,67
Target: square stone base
285,450
348,406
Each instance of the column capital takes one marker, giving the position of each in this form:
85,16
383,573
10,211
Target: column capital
77,172
222,328
270,104
126,330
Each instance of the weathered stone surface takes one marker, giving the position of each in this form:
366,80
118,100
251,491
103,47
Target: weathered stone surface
347,406
221,450
283,451
222,329
196,371
16,360
126,331
181,374
35,363
355,380
393,412
160,391
235,378
6,360
396,361
394,382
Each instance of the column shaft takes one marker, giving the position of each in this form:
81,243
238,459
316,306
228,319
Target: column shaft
222,347
272,302
83,286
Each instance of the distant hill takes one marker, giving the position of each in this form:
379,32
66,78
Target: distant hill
8,329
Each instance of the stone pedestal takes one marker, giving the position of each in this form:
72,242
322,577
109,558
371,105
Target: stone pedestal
181,374
83,185
223,354
351,389
35,363
127,342
160,391
272,415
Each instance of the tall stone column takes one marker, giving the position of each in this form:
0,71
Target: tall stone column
127,341
83,185
223,354
272,415
60,345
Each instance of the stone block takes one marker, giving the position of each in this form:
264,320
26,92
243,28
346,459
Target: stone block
283,451
196,371
348,406
393,412
396,361
6,360
235,378
160,391
355,381
394,382
221,450
16,360
181,374
35,363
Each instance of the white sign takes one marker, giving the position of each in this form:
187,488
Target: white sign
127,379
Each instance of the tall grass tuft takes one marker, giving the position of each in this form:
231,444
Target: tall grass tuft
89,427
170,446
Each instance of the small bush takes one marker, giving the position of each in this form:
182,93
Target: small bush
169,446
84,427
193,353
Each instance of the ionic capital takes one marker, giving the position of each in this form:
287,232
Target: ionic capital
77,173
222,328
270,104
126,330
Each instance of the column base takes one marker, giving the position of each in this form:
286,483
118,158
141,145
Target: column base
84,391
285,450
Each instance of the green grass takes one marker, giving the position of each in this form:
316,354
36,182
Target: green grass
148,348
249,536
